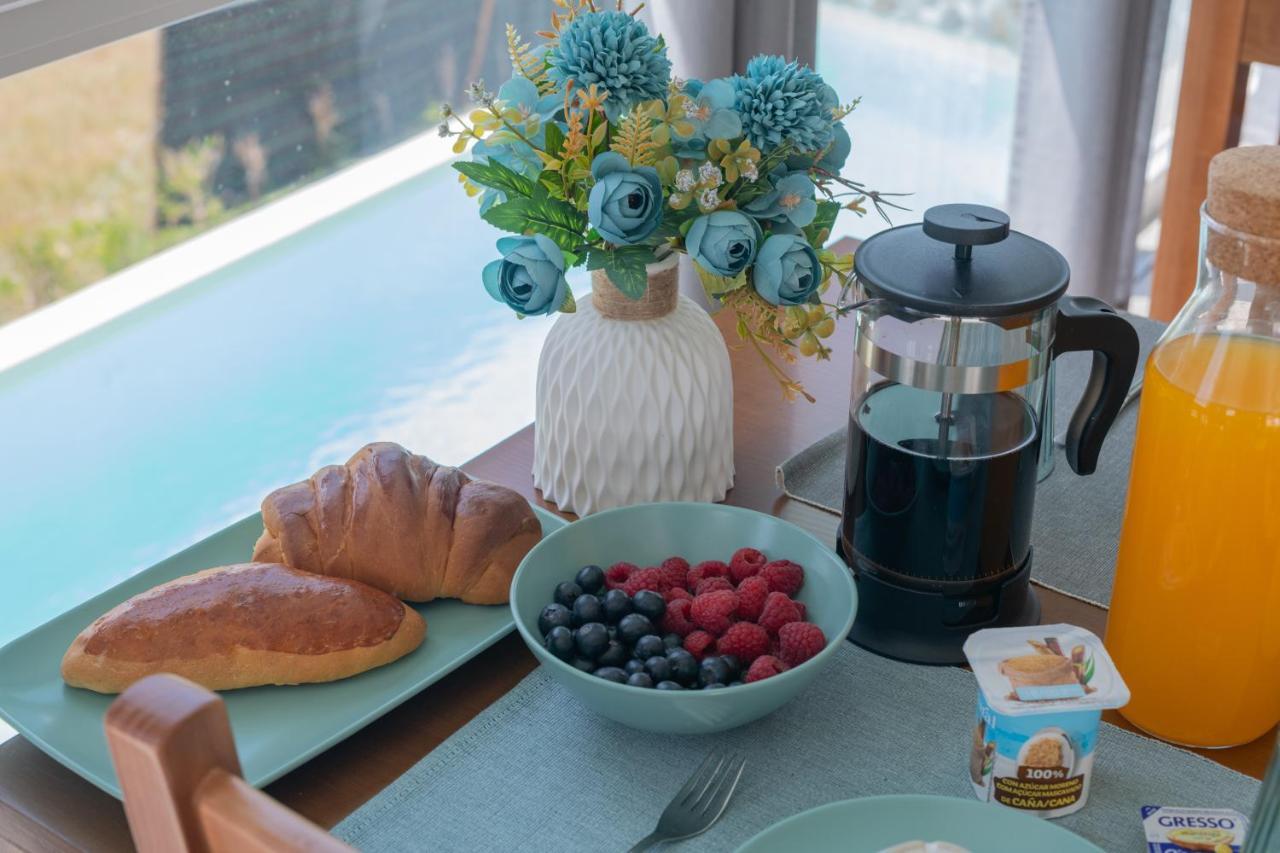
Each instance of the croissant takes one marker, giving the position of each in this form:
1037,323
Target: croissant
403,524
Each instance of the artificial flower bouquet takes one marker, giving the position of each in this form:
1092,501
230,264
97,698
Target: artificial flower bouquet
594,154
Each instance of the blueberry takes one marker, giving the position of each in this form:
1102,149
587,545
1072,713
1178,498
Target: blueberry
566,593
672,641
614,655
553,616
715,685
587,608
612,673
649,603
632,627
712,671
684,666
658,667
668,685
616,605
590,578
648,646
559,641
592,639
613,632
585,665
633,666
732,665
640,680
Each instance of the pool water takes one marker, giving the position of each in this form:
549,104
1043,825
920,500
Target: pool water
152,431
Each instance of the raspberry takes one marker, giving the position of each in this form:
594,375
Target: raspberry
676,619
804,611
745,641
650,578
751,595
676,592
764,666
778,611
783,576
707,569
700,644
713,584
618,574
714,611
800,641
675,571
744,563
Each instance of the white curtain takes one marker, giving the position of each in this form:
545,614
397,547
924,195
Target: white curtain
1086,95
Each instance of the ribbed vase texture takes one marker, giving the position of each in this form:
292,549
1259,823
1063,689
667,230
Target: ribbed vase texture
632,411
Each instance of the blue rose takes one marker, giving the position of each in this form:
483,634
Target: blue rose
723,242
529,277
787,271
625,205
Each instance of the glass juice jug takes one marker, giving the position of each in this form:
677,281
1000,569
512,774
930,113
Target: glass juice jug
1195,612
957,322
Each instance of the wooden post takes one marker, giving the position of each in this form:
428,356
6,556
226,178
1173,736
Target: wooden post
1210,106
176,760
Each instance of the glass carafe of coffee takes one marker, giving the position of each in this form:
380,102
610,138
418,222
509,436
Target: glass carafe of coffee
957,321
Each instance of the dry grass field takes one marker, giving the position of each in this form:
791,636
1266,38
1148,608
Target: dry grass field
77,170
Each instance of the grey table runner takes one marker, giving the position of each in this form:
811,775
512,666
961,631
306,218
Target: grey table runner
1077,519
537,771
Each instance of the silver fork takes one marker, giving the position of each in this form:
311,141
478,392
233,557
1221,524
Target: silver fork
700,802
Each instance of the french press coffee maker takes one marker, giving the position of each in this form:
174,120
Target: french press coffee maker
957,321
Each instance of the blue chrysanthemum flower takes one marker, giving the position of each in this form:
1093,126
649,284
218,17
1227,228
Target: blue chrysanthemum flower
616,52
782,101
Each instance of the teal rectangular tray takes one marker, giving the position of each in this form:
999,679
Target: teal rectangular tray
276,728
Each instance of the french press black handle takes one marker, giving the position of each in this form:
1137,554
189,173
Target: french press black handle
1085,324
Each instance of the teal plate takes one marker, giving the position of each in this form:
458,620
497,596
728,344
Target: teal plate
872,824
276,728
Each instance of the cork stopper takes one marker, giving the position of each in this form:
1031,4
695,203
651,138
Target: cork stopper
1244,196
659,297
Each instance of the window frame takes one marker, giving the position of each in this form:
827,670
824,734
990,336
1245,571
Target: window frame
36,32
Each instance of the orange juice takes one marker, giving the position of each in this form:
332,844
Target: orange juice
1195,613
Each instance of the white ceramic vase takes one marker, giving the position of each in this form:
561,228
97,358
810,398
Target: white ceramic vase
634,401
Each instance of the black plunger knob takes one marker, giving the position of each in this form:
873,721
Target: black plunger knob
965,226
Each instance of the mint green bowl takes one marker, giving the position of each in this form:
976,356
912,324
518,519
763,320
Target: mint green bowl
645,535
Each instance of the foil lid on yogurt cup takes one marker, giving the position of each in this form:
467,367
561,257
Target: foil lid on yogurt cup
1042,668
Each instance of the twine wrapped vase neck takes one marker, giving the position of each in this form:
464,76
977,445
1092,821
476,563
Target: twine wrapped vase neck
659,298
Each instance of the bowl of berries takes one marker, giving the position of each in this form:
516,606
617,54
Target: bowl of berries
685,618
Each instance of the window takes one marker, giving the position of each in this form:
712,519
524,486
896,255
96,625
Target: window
938,82
249,259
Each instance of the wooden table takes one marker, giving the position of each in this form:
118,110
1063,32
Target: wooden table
45,806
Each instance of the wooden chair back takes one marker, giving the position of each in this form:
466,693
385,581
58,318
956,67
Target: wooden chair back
173,751
1224,38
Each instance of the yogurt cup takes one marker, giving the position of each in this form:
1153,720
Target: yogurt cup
1041,693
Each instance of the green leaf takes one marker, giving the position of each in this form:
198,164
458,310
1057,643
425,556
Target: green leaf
816,231
628,274
540,214
1088,671
718,285
509,216
496,176
554,140
597,258
569,305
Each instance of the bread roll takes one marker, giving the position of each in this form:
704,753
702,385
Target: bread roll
242,626
402,523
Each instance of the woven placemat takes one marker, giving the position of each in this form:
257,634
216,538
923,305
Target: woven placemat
1077,519
537,771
